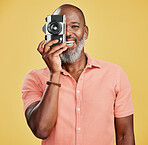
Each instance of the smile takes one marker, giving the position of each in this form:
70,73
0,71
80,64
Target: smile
70,42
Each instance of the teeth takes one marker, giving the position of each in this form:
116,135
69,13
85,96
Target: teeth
69,42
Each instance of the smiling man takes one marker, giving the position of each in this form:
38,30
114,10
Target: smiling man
77,100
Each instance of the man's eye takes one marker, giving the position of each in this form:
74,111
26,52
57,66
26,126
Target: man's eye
75,26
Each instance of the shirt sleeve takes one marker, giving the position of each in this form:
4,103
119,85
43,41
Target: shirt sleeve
31,90
123,101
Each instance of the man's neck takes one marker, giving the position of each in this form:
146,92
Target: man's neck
77,66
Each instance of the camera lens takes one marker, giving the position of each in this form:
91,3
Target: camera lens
54,28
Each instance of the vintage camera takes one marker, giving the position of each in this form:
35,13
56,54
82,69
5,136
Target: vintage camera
55,28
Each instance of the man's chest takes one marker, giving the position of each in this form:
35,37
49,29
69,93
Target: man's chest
94,92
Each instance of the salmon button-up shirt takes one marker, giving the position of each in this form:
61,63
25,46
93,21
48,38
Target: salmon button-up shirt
86,109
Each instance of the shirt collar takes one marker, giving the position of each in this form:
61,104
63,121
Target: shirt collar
90,64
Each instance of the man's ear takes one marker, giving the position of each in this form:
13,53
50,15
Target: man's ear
86,32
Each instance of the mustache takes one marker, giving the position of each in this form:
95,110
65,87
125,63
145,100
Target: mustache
69,37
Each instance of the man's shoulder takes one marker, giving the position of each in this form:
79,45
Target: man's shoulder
105,64
38,72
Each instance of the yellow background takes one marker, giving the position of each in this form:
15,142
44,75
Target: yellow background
118,34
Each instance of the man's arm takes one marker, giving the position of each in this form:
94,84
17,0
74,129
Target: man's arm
124,131
41,116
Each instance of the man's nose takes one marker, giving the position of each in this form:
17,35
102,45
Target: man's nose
68,32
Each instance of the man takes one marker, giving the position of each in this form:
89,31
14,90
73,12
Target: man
85,99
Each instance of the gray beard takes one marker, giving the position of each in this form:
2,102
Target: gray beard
69,57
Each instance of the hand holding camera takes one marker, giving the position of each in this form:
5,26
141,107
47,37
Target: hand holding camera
51,55
55,39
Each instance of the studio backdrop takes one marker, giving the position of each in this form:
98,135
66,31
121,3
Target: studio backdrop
118,33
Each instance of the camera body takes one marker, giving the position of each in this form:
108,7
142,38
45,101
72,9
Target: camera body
55,28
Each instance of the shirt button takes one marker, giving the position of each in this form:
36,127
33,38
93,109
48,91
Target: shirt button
78,128
78,109
78,91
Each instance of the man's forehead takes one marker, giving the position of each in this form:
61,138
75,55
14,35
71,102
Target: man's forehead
65,8
70,12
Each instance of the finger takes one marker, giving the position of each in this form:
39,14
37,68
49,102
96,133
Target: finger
54,49
40,46
50,43
57,47
58,52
